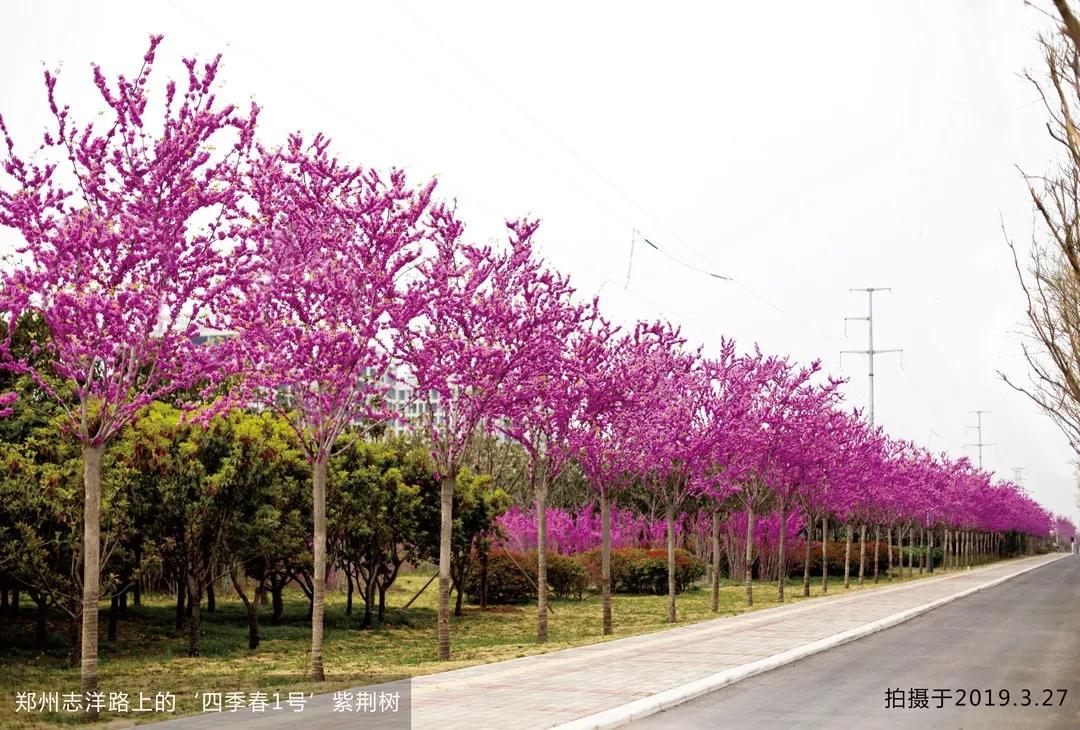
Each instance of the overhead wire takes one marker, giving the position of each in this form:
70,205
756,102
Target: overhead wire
581,160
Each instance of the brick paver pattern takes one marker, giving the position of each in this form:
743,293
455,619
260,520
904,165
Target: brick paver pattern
561,686
550,689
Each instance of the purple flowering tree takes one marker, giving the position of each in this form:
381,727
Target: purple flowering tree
314,323
542,399
122,217
475,325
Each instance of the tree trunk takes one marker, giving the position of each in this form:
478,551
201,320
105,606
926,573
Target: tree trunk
368,590
749,577
714,598
114,611
862,553
75,639
458,597
930,551
254,635
824,554
349,590
922,556
670,516
806,558
277,614
41,627
900,549
483,580
847,556
781,577
877,548
211,600
911,552
382,602
888,547
91,569
605,563
181,598
195,604
318,579
251,607
446,527
137,587
541,563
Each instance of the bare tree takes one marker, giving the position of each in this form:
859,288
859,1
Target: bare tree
1051,278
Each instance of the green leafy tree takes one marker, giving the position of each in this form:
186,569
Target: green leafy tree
41,523
185,467
478,501
374,521
270,530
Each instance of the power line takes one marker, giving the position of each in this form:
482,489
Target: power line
630,260
333,109
606,180
547,131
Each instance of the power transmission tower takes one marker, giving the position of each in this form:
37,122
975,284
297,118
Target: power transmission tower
1018,474
870,351
980,444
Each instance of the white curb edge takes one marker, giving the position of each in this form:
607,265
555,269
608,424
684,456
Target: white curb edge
624,714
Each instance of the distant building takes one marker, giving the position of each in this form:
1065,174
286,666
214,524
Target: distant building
402,398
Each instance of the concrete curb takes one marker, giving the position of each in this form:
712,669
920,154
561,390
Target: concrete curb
624,714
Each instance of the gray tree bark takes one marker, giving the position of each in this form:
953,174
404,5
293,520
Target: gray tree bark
670,516
714,599
318,497
91,569
446,531
605,562
781,570
750,557
541,563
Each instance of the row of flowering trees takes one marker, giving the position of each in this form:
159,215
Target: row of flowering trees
144,229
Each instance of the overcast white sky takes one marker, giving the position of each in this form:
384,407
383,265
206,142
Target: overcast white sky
800,148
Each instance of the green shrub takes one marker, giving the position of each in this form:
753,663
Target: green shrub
918,552
620,559
649,573
566,575
511,578
836,558
637,570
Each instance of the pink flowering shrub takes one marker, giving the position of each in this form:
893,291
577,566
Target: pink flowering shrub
578,530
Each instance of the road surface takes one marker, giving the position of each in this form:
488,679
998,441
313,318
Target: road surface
1021,635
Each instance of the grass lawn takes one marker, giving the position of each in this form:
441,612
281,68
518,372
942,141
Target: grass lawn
149,658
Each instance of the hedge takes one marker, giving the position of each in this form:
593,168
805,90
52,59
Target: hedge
638,570
511,577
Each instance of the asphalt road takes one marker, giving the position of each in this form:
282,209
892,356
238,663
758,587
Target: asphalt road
1021,635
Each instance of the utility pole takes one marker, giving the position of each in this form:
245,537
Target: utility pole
980,444
870,351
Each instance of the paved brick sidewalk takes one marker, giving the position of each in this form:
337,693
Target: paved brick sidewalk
551,689
571,684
